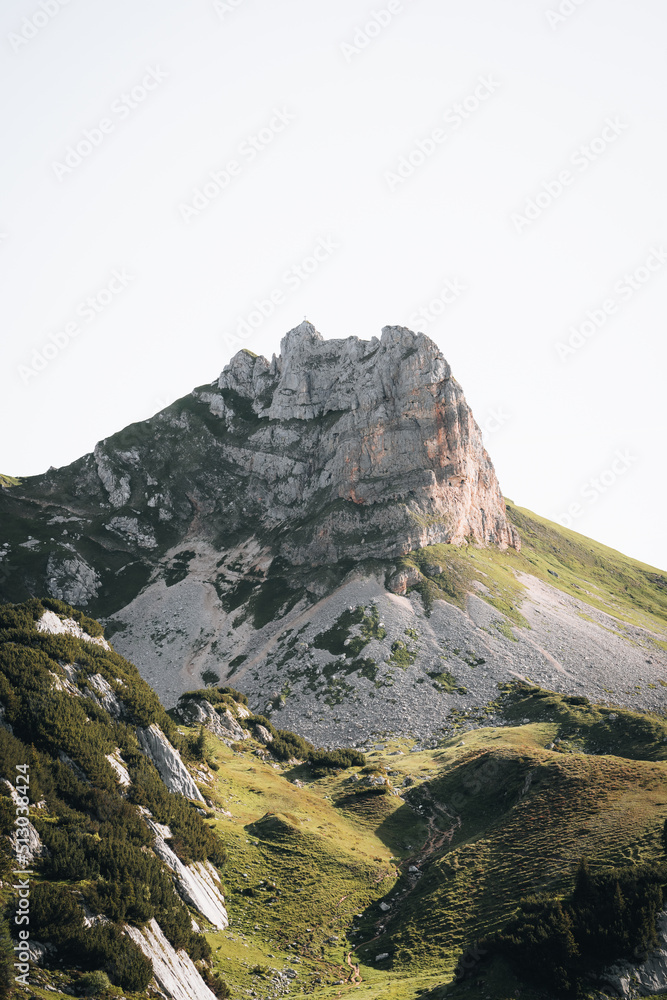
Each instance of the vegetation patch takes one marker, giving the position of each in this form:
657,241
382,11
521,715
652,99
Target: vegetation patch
447,682
609,916
93,828
401,655
339,641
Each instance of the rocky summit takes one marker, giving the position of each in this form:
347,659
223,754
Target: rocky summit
327,530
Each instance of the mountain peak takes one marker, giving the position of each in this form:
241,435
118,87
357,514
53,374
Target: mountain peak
299,338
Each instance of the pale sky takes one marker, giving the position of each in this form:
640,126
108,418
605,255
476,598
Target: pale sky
492,174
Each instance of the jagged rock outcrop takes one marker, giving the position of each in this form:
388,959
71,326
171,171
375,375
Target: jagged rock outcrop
376,433
100,691
174,971
168,762
120,768
262,735
25,843
198,884
200,712
55,625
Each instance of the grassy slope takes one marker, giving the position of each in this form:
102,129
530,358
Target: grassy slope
593,573
488,820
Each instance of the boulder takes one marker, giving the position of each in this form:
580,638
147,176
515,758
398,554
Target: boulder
168,762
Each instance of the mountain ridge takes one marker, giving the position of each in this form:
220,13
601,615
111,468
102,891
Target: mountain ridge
261,527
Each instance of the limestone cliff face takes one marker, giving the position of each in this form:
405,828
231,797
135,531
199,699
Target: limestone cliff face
376,435
333,453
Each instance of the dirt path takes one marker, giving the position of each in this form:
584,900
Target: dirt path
355,976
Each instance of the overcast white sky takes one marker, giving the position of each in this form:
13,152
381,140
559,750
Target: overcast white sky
404,139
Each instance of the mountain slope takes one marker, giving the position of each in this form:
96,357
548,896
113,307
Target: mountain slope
95,814
383,873
326,530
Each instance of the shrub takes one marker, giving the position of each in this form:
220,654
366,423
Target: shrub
609,915
93,984
323,761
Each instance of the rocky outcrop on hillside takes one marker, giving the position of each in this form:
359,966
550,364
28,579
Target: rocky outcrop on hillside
174,971
168,762
200,712
645,978
376,436
198,884
265,488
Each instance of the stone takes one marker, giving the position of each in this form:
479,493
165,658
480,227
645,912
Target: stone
28,847
199,711
175,972
198,884
120,768
103,694
168,762
55,625
262,734
71,579
645,978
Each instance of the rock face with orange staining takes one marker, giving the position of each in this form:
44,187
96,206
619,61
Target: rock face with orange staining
197,533
376,436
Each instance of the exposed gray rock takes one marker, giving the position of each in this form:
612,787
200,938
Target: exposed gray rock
71,579
104,695
38,951
117,487
198,884
56,625
25,842
168,762
130,528
119,766
645,978
263,735
175,972
231,727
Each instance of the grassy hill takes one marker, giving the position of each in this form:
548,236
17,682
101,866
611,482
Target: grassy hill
599,576
504,814
415,855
